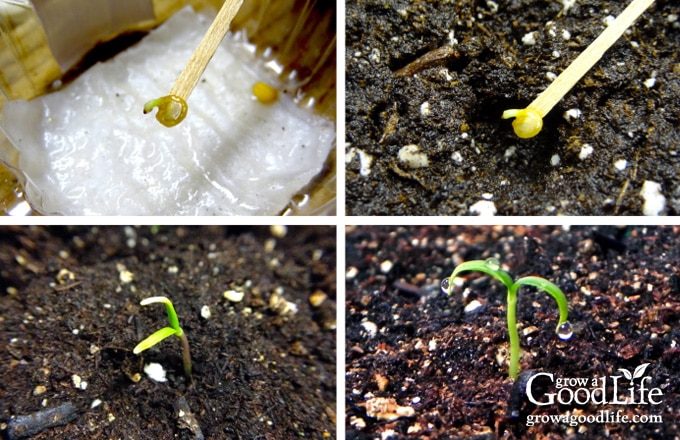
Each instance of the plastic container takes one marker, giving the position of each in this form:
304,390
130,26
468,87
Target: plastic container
43,39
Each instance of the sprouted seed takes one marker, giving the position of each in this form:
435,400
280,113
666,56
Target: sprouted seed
530,120
173,330
492,267
172,109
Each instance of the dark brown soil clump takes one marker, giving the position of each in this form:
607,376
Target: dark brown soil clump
68,308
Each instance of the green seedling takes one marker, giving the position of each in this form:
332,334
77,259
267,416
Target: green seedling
163,333
493,268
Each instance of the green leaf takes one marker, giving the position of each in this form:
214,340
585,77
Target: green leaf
548,287
172,316
154,339
154,299
485,267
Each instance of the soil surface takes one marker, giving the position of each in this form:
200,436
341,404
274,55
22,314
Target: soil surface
264,367
438,75
445,366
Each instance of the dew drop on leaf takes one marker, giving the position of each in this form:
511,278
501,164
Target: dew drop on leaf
446,288
493,263
564,331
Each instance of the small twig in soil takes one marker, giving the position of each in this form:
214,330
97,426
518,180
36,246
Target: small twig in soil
606,243
31,424
187,419
408,289
622,193
66,287
433,57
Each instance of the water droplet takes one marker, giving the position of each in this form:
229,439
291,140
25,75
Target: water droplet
493,263
446,288
564,330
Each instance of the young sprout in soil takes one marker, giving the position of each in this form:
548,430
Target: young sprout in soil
493,268
163,333
529,121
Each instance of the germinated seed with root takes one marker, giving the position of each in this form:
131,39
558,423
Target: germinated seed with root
172,109
529,121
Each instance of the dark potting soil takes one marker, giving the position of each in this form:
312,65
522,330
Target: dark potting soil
475,66
70,314
446,367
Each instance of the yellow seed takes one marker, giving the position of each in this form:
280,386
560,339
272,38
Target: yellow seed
265,93
528,122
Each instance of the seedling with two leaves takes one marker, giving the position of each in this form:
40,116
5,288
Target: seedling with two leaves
492,267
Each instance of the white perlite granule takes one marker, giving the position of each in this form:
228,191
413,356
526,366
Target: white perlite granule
483,208
655,202
155,372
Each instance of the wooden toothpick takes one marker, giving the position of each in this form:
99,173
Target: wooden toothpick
529,121
172,109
